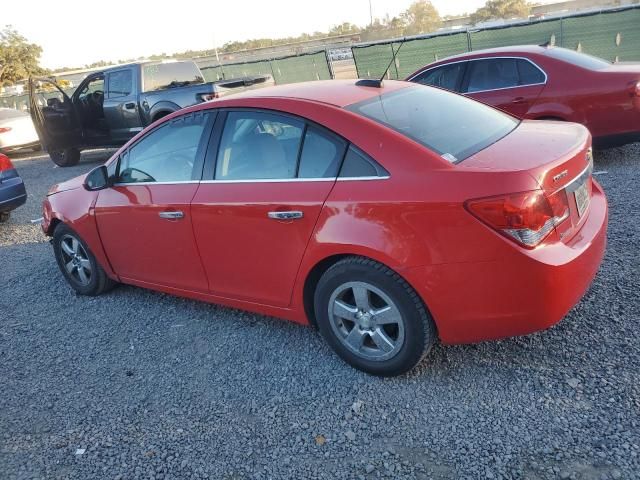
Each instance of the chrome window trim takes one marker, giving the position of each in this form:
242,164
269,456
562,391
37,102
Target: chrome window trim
257,180
546,77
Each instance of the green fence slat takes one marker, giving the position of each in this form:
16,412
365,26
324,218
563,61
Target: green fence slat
212,74
372,60
532,34
418,53
596,35
302,68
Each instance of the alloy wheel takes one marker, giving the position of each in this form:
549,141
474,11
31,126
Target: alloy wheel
366,321
75,259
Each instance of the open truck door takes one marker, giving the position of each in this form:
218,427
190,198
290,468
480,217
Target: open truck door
56,121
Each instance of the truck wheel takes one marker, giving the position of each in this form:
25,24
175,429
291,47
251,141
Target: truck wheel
65,158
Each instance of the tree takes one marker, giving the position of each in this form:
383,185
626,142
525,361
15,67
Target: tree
495,9
421,17
18,57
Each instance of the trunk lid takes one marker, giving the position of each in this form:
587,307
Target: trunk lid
556,154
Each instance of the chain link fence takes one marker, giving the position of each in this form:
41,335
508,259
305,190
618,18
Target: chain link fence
611,34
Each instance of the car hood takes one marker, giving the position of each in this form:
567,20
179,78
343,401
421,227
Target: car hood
72,184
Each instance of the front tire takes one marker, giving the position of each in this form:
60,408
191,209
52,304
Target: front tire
65,158
78,264
372,317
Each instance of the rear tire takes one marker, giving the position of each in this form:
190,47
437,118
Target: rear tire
65,158
4,217
372,317
78,264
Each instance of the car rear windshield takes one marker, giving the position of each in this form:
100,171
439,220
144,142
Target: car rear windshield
449,124
158,76
578,59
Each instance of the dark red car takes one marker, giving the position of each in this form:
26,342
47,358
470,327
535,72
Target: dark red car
548,83
388,217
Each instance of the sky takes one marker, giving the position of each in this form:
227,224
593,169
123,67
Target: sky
75,33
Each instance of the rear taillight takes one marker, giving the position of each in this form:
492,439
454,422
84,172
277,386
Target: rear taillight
205,97
527,217
5,129
5,163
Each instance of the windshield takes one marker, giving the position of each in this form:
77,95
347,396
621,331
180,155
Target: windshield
449,124
159,76
578,59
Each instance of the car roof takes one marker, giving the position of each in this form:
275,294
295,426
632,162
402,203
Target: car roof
339,93
514,49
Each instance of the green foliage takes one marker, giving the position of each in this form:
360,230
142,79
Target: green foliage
421,17
495,9
18,57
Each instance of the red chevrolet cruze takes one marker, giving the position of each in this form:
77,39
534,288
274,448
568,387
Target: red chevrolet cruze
548,83
388,217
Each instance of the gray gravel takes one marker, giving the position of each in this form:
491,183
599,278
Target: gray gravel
137,384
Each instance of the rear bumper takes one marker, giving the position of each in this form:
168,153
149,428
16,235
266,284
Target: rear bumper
12,194
519,294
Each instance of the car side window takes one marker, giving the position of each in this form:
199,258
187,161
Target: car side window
258,145
491,74
167,154
446,77
358,164
529,74
120,83
321,154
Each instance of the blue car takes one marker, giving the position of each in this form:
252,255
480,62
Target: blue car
12,191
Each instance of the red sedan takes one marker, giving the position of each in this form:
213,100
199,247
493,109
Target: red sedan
387,217
547,83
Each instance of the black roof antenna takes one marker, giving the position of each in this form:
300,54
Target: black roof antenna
377,83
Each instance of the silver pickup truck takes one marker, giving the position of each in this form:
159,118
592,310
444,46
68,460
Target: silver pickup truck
111,106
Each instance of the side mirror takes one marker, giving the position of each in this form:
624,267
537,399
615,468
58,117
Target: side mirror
97,179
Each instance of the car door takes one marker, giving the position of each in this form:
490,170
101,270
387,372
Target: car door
121,105
53,115
447,76
144,219
512,84
269,175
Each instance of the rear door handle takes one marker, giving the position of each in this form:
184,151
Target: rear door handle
171,215
289,215
129,106
518,100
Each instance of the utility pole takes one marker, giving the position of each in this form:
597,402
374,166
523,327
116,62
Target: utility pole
370,13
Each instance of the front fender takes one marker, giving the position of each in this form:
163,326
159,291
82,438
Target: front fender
78,205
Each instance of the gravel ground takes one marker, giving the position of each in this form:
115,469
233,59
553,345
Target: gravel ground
137,384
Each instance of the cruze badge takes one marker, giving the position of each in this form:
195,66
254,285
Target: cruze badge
562,174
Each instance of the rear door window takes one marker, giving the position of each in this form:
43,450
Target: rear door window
529,74
492,74
447,76
259,145
120,83
321,154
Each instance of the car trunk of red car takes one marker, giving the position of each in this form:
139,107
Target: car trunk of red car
558,156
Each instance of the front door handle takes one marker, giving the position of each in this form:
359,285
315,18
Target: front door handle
129,106
171,215
518,100
288,215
